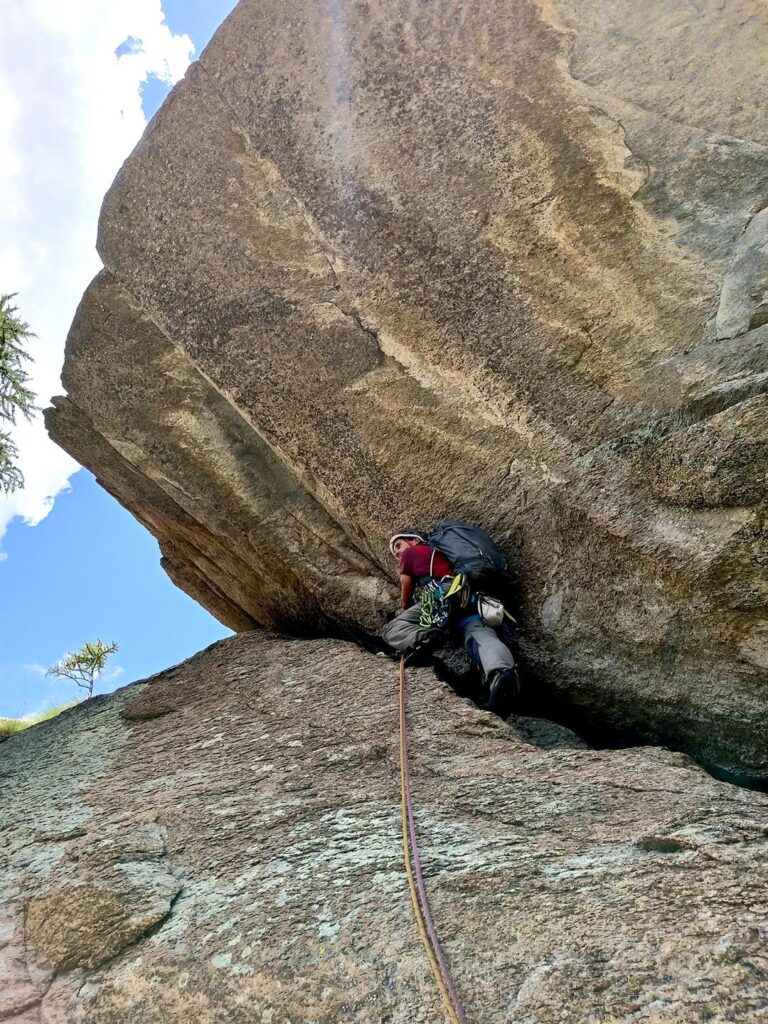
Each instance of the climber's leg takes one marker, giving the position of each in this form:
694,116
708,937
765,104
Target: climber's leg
404,631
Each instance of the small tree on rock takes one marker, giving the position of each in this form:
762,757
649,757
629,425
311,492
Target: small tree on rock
15,396
85,666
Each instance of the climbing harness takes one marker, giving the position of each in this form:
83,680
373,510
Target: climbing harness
416,885
437,598
435,608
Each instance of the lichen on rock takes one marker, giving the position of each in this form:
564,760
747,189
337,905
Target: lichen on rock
241,859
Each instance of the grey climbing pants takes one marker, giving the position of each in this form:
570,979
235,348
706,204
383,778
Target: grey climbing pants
483,644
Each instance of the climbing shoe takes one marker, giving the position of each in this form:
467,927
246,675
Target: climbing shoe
503,691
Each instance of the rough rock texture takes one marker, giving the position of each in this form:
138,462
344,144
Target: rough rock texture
222,842
375,263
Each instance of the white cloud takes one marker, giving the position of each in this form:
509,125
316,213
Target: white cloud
113,674
70,113
35,668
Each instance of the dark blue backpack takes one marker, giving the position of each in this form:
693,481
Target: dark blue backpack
470,550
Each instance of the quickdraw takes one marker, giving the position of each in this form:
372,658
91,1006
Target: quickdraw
435,600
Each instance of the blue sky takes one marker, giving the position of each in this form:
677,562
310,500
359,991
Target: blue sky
89,570
74,564
198,19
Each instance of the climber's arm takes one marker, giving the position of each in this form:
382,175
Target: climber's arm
407,584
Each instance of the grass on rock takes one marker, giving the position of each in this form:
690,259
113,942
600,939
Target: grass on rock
9,726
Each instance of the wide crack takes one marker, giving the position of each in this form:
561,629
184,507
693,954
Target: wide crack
545,720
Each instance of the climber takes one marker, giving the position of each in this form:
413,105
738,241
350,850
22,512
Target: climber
445,603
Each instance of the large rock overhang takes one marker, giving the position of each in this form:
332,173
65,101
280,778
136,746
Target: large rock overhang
373,264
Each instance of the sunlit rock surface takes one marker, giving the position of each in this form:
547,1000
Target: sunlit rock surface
375,263
222,842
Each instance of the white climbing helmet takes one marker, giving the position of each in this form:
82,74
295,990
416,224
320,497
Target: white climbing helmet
406,535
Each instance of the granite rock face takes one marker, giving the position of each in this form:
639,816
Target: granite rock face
376,263
222,842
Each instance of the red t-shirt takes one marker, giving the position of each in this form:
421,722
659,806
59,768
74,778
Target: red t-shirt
415,561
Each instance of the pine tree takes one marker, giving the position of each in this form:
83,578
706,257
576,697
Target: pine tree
85,666
15,396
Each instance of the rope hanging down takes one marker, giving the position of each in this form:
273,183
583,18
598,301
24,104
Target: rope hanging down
417,888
